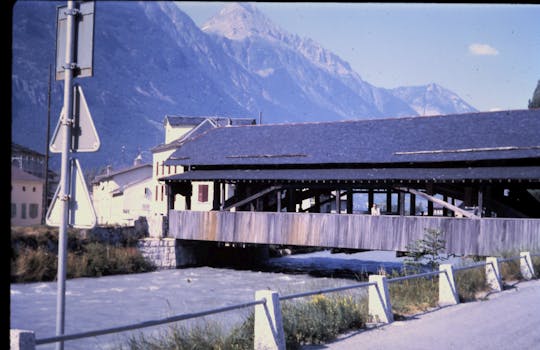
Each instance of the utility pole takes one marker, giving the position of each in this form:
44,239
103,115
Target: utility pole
66,121
46,189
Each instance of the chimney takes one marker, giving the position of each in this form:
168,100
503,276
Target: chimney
109,170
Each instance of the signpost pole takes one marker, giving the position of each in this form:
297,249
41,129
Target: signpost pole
66,124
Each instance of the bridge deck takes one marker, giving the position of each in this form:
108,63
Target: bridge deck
485,236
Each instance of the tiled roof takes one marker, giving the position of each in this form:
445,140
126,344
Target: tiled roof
449,138
201,125
21,175
221,121
112,174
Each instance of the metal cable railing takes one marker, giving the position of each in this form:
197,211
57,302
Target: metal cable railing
147,323
329,290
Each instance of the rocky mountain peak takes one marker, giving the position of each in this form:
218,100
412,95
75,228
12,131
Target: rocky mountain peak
237,21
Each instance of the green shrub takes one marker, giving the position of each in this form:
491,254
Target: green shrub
34,265
34,252
427,250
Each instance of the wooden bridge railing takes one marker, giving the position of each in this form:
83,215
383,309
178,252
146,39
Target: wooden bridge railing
485,236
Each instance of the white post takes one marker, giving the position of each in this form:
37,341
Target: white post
269,334
526,266
20,339
447,286
493,276
379,305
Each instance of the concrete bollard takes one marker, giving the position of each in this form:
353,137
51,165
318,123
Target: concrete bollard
20,339
447,286
379,305
493,275
526,265
269,334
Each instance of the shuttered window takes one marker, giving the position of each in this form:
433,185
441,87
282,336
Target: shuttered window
203,193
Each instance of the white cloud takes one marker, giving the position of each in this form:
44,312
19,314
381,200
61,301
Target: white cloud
483,50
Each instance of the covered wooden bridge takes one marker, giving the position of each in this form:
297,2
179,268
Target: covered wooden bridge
314,183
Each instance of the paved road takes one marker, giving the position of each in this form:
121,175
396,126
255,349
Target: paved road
508,320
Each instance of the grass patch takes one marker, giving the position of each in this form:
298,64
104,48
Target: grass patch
536,265
314,320
471,283
412,296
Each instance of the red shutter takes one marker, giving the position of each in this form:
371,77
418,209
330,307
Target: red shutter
203,193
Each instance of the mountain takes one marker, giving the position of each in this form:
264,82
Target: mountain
432,99
151,60
298,73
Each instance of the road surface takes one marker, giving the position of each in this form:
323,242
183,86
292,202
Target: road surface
507,320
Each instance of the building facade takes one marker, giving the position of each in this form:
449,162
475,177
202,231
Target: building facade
179,130
26,198
123,196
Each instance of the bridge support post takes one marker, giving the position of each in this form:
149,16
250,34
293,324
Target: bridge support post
269,334
21,339
493,275
447,286
526,266
379,305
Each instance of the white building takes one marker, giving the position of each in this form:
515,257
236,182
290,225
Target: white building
26,198
178,130
121,197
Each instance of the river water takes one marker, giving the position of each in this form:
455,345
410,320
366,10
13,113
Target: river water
112,301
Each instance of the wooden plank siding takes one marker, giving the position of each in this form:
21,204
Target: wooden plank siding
486,236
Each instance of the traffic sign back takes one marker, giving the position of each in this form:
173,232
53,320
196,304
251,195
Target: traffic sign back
84,137
81,212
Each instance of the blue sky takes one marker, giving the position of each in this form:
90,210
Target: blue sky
489,54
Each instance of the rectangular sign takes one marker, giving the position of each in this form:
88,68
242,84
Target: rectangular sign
84,40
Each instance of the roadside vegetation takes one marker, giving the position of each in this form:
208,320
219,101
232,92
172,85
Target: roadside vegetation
34,255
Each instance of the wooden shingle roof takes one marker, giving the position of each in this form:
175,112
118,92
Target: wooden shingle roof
503,135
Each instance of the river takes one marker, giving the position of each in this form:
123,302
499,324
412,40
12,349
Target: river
112,301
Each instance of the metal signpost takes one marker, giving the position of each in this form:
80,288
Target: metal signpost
74,133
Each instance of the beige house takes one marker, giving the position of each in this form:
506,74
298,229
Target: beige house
178,130
26,198
121,197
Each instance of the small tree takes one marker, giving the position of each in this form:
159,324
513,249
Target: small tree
427,250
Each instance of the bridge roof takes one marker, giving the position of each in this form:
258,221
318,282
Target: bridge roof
524,174
471,137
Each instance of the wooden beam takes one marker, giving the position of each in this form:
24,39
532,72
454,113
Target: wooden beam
433,199
252,197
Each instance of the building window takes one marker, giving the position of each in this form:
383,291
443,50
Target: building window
13,210
33,189
162,190
24,188
203,193
23,211
33,210
156,193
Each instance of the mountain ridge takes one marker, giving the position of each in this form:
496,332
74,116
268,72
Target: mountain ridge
157,62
